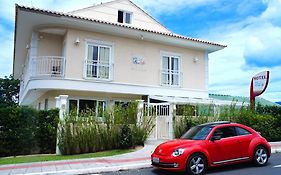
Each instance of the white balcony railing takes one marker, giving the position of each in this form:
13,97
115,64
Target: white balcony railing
51,66
171,78
97,70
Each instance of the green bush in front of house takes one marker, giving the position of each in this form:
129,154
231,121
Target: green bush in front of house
265,119
22,130
118,128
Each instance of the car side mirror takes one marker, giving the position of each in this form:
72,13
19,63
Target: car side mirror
215,137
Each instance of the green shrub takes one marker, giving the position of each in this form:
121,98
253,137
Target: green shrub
46,132
125,137
17,128
142,130
117,129
24,130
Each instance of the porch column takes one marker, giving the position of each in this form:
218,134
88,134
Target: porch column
140,111
61,102
172,110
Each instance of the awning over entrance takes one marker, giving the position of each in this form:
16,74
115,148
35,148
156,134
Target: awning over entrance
187,100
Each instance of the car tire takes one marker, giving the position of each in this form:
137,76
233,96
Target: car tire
196,164
260,157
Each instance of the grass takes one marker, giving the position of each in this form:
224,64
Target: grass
53,157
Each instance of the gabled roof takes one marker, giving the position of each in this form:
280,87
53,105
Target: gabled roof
116,1
61,14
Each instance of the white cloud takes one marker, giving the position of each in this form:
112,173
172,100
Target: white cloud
163,6
253,46
273,9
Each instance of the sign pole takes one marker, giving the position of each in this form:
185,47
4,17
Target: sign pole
252,96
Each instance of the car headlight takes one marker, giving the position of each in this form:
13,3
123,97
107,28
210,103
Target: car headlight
178,152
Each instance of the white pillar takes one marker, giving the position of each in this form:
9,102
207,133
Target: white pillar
170,120
61,104
140,111
33,51
57,102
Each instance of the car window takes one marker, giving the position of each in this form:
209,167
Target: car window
197,133
225,132
241,131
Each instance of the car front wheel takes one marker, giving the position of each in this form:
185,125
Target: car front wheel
260,156
196,164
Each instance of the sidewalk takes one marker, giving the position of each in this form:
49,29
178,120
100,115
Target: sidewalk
135,160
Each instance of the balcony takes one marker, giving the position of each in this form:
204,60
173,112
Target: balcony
47,66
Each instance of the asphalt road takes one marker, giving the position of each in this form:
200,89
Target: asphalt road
238,169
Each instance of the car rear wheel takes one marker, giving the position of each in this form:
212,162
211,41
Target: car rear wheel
196,164
260,156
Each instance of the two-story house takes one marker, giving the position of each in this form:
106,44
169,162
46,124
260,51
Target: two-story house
104,54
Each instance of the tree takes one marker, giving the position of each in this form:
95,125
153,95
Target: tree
9,90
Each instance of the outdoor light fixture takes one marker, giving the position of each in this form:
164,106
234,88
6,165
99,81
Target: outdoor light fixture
77,41
195,59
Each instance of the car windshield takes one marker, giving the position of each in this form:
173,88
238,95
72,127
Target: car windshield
197,133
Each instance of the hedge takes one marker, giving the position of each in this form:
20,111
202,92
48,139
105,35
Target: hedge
24,130
265,119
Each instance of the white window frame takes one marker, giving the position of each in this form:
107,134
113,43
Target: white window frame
124,16
169,55
97,43
88,98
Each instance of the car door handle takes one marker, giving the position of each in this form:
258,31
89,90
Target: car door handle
238,141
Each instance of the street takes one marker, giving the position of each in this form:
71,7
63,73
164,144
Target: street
273,168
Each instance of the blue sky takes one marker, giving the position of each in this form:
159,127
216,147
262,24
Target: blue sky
250,28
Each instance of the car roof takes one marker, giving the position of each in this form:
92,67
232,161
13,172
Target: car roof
215,123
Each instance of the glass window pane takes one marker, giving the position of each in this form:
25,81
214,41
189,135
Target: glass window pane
175,64
226,132
90,53
175,79
128,18
165,63
104,55
86,105
101,108
73,106
95,54
165,78
241,131
120,16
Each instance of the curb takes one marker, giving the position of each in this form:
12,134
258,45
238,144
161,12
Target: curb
94,170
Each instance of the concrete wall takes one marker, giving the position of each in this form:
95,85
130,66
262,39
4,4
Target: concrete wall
124,49
49,44
109,12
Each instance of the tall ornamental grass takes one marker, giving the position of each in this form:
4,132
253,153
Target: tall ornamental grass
118,128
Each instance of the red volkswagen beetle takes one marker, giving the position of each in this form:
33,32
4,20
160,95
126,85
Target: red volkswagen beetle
212,144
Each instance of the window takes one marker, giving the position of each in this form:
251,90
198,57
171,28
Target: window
46,104
73,106
124,17
197,132
241,131
84,105
101,108
225,132
98,63
170,73
39,106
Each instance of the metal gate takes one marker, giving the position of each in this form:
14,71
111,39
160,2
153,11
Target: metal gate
161,112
